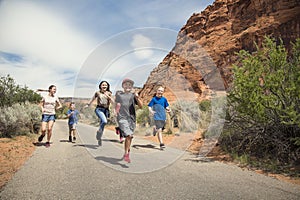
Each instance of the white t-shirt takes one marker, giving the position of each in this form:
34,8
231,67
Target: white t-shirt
49,104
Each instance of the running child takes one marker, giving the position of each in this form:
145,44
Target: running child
157,108
104,99
72,122
125,109
49,104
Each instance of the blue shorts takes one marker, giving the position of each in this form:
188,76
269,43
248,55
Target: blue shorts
72,126
47,118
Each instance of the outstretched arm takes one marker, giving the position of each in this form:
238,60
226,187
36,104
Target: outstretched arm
90,102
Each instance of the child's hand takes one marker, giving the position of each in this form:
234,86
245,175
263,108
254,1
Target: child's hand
107,94
152,112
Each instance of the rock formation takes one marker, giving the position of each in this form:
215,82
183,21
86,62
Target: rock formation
205,48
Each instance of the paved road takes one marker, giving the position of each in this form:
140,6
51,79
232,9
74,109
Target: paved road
82,170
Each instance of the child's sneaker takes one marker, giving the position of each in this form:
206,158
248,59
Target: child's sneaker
70,138
47,144
154,131
117,130
74,139
162,146
41,138
100,142
126,158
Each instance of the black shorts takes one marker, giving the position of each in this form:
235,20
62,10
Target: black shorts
160,124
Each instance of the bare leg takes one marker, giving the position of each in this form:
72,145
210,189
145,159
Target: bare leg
74,132
127,144
159,136
50,126
128,140
44,127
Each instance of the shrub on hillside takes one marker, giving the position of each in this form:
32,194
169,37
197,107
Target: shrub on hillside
188,115
11,93
19,119
264,112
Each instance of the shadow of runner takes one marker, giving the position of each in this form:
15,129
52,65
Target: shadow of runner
64,140
91,146
113,161
111,140
146,146
39,144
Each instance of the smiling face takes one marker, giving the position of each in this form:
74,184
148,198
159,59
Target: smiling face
52,90
103,86
160,91
127,86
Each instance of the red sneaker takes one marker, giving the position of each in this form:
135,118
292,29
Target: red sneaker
126,158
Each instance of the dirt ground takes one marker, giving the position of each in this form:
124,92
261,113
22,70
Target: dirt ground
15,151
13,154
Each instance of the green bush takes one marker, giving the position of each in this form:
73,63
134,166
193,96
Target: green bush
143,117
264,104
19,119
11,93
205,105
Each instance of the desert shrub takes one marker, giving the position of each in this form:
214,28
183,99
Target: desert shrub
62,113
19,119
11,93
205,105
264,104
143,117
188,115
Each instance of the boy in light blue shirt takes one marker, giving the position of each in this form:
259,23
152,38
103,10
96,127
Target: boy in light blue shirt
72,122
158,107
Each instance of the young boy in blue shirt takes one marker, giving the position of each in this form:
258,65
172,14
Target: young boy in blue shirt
72,122
158,107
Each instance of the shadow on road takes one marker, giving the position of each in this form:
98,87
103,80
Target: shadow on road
145,146
64,141
91,146
111,140
40,144
113,161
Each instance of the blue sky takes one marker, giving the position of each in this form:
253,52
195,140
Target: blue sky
75,44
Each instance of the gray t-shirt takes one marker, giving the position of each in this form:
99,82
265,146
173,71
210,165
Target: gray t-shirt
127,108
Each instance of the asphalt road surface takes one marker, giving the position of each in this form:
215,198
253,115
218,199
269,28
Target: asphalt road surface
83,170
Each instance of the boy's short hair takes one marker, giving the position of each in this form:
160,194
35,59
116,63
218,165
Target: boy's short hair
72,103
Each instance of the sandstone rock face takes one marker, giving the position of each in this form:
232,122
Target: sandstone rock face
205,49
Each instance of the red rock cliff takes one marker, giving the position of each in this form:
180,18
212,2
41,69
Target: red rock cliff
206,45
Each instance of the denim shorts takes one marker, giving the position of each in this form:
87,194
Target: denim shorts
47,118
72,126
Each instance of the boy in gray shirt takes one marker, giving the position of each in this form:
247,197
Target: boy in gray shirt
125,109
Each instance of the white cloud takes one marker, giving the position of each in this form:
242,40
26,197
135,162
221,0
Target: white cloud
56,40
140,44
30,30
139,40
